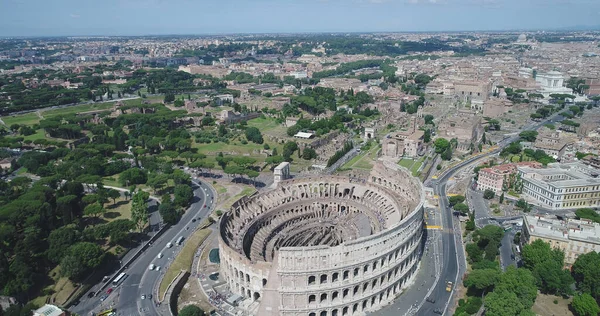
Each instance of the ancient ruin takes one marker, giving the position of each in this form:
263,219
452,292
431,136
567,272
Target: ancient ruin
324,245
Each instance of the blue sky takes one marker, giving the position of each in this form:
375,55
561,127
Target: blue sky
145,17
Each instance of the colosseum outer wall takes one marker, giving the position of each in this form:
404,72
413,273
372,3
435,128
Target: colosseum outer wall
352,278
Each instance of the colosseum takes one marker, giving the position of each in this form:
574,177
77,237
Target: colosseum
324,245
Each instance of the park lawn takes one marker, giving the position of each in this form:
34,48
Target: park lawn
263,124
353,161
39,134
21,119
416,165
219,188
120,210
62,289
363,164
406,163
544,305
184,259
113,181
77,109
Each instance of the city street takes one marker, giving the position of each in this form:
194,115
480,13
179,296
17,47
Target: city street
126,298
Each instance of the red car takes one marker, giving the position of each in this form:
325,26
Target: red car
109,291
204,205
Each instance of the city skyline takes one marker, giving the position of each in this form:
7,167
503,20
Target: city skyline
160,17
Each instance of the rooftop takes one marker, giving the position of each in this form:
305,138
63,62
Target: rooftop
48,310
571,229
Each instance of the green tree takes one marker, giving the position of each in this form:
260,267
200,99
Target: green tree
157,181
81,258
521,282
94,209
253,134
483,280
309,153
501,199
139,209
441,144
489,194
133,176
462,208
585,305
455,199
114,195
183,195
586,271
168,213
588,213
191,310
59,242
528,136
503,303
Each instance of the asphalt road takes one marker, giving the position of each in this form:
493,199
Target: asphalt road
507,256
142,280
126,297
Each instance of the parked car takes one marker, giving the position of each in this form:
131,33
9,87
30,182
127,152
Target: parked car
109,290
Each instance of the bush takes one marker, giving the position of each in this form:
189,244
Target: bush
489,194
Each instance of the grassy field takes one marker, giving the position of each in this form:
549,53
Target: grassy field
264,124
39,134
184,259
23,119
544,305
412,165
406,163
119,210
219,188
61,289
246,191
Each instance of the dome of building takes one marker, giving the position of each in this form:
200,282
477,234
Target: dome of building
522,38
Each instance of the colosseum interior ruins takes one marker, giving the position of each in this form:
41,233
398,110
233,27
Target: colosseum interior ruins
324,245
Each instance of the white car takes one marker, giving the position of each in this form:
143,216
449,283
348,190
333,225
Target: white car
157,268
143,297
169,245
151,267
160,255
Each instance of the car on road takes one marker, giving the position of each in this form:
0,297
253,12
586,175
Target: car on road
449,286
204,205
149,296
430,300
193,220
169,245
157,268
103,298
143,297
160,255
109,290
151,267
438,311
91,294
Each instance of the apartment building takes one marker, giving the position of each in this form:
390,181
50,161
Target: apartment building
562,186
494,178
574,237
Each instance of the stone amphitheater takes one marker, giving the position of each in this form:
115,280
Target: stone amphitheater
324,245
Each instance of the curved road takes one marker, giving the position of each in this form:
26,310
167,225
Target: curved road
140,279
452,262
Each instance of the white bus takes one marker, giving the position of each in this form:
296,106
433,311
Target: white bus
119,279
179,240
